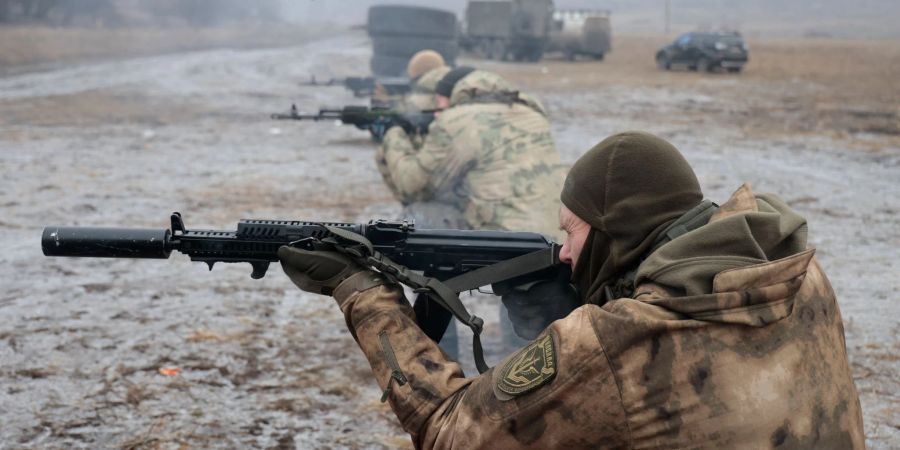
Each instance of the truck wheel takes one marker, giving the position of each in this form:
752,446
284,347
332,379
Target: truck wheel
406,46
599,56
411,20
734,69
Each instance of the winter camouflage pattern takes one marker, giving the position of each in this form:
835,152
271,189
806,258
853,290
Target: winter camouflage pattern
494,160
759,362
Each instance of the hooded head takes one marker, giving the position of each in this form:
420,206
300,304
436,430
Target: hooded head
628,189
448,83
429,80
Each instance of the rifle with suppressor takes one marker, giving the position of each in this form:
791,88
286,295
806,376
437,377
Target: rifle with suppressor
460,259
376,120
365,86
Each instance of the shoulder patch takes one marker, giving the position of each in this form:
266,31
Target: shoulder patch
531,367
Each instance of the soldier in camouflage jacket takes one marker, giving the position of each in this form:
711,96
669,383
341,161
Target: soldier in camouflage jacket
490,156
720,331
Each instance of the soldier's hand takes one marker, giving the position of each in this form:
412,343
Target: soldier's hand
319,272
378,130
535,306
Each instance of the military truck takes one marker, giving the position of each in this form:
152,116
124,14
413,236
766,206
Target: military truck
580,32
511,29
399,31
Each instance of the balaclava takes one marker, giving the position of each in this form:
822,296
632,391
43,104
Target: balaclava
445,86
629,188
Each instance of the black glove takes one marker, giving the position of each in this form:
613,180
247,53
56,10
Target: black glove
319,272
417,122
534,306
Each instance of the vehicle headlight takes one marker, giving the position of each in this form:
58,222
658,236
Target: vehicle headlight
721,46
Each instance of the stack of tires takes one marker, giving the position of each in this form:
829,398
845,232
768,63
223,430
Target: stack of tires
398,32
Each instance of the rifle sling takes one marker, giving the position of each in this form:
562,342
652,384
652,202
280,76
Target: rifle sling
446,293
505,270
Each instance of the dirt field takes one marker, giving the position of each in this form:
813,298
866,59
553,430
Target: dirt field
126,142
26,48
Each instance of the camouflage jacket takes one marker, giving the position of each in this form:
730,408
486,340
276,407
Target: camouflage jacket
492,158
759,361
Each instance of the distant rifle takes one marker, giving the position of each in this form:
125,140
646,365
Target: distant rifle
365,86
463,258
375,119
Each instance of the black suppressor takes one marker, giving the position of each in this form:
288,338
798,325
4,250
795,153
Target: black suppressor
106,242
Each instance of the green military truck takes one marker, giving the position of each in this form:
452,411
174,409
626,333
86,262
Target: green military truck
580,33
508,30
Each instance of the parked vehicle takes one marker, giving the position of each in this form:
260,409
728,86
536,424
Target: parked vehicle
515,29
705,52
581,32
399,31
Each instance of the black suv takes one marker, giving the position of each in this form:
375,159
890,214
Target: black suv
705,52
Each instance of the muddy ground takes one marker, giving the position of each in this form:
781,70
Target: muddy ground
262,365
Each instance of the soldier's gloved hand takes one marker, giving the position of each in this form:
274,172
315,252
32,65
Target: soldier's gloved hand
377,130
319,272
417,123
535,306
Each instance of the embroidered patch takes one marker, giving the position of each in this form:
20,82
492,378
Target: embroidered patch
531,367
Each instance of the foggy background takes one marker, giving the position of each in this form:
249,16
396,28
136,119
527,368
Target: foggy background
821,18
839,18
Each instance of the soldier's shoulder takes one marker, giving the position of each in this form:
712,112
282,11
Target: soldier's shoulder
460,114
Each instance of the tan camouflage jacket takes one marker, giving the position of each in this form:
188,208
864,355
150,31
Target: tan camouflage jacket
496,161
759,361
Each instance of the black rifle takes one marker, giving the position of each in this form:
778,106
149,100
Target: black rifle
376,120
365,86
440,254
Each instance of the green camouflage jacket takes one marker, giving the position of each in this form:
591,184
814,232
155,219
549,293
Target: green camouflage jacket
489,154
757,361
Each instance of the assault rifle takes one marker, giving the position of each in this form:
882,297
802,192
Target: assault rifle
365,86
376,120
462,259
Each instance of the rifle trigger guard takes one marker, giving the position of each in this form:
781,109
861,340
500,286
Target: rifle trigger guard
307,243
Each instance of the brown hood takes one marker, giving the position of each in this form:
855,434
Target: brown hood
742,267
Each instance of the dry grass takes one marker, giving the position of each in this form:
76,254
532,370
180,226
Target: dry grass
831,86
31,45
854,69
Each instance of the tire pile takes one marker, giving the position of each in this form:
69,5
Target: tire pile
398,32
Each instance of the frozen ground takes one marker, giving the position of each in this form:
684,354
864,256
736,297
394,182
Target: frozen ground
263,365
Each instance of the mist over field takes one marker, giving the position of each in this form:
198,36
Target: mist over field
837,18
